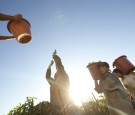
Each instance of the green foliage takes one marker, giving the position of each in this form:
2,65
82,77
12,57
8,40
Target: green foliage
91,107
94,107
27,108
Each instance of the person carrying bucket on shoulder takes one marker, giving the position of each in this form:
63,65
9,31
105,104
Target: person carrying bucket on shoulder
128,82
115,94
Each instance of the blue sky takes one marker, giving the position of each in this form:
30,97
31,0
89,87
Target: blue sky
82,31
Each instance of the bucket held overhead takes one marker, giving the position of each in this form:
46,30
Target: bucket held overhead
123,64
20,29
94,70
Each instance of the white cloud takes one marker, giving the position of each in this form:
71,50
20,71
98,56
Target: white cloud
59,18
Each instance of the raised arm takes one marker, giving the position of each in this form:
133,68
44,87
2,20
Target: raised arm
6,37
4,17
58,63
98,87
48,74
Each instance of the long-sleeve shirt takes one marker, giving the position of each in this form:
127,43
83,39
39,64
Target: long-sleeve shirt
117,98
129,83
59,88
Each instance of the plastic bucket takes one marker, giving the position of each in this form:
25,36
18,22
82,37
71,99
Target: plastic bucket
94,70
20,29
123,64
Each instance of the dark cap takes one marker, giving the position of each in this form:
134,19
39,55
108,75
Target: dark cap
102,64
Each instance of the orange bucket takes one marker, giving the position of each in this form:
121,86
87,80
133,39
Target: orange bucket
123,64
94,70
20,29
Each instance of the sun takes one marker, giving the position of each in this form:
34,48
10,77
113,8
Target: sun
81,87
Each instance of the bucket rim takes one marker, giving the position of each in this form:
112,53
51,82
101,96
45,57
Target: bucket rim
91,63
14,20
117,59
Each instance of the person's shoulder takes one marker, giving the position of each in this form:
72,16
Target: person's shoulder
113,75
108,74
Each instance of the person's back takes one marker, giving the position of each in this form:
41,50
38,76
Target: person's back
59,85
62,79
129,83
127,80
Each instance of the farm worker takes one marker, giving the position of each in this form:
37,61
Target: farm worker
117,98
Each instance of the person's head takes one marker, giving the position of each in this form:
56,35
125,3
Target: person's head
103,67
118,72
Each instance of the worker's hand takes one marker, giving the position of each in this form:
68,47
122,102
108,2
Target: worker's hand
17,17
50,64
96,83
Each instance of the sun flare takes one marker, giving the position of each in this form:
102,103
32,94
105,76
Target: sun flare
81,88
